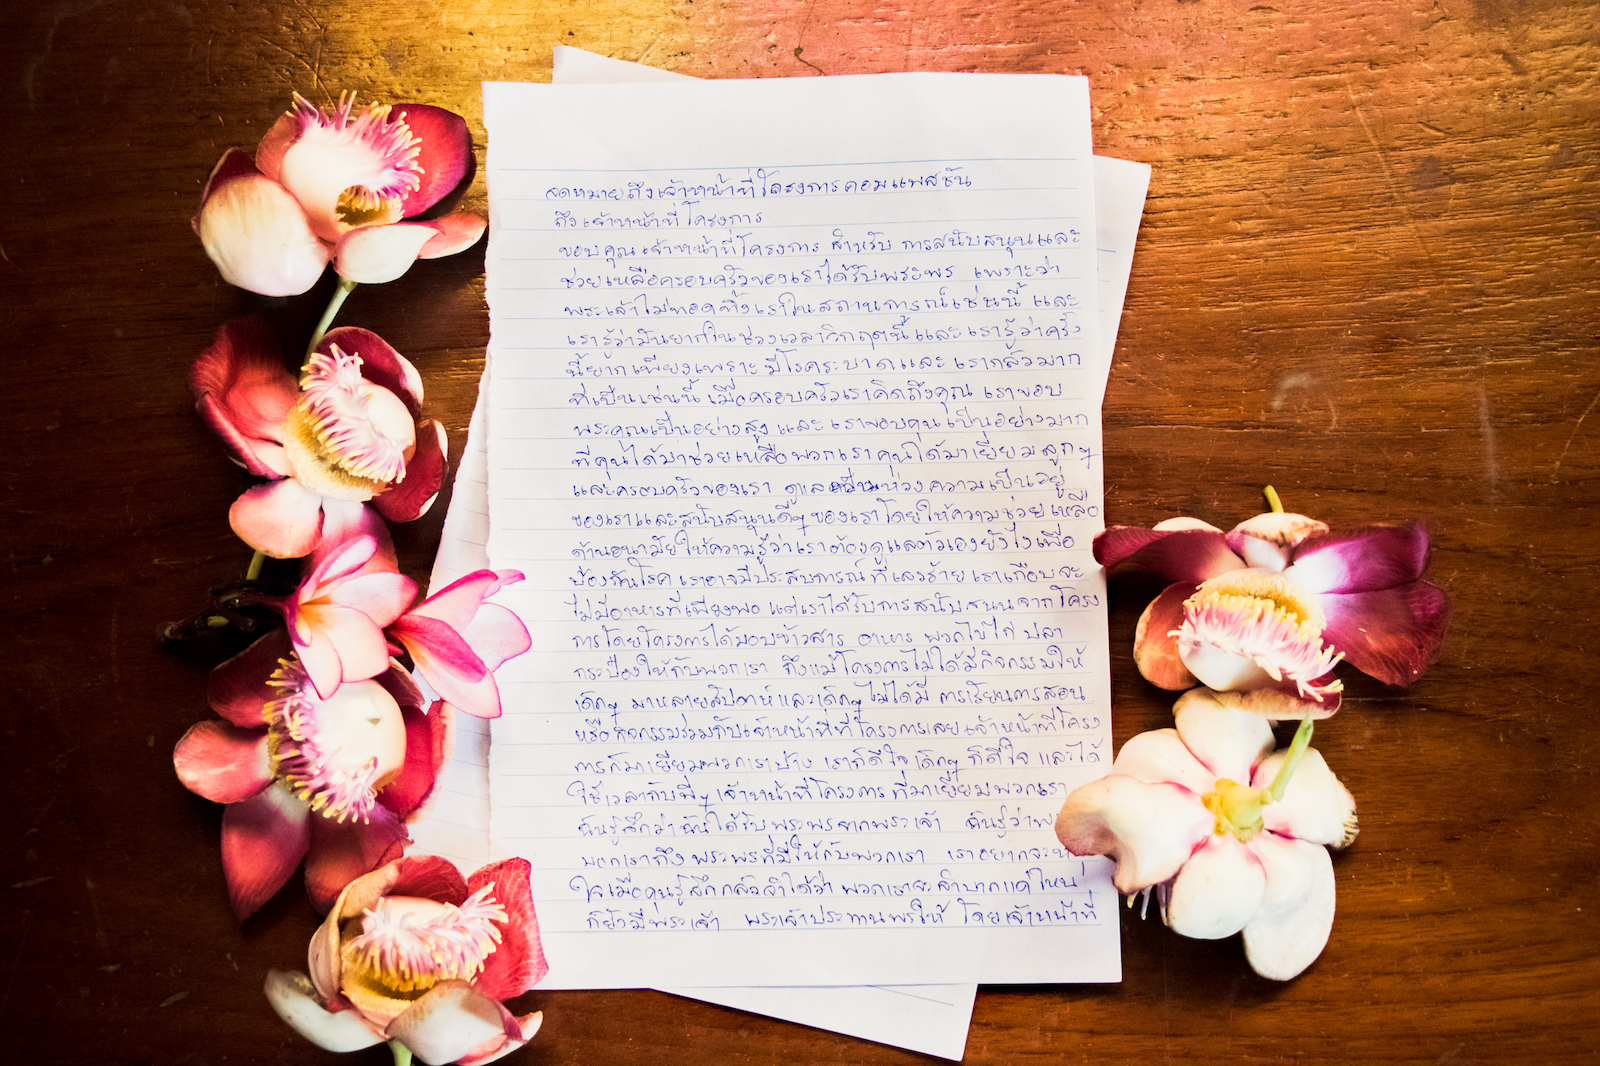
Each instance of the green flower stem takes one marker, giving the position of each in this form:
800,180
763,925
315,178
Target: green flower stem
402,1054
1297,751
1272,499
254,570
346,287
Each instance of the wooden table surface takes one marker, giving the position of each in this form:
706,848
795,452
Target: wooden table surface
1367,275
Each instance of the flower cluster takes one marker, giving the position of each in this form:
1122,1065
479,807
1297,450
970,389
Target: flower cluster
1232,835
324,747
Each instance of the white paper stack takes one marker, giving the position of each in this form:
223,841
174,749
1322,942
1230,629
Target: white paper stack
791,419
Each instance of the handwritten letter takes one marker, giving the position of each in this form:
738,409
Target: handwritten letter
795,432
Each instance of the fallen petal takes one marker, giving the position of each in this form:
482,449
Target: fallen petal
263,840
294,998
1291,928
1218,890
1149,829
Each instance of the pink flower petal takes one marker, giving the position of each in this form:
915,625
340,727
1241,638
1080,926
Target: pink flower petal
453,233
1316,806
238,689
281,518
344,520
1290,930
320,654
244,393
381,596
380,363
1160,755
1149,829
222,762
1218,890
373,255
1228,742
1191,555
1391,634
259,237
446,154
294,998
1155,650
263,840
429,877
497,634
342,851
333,560
492,1050
425,471
1361,560
426,750
439,650
450,1020
458,602
519,963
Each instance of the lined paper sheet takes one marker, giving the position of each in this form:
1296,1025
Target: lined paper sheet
700,780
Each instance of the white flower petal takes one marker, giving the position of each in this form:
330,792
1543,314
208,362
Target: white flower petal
1149,829
1218,890
292,996
1160,755
258,237
1291,928
448,1021
1227,741
1316,806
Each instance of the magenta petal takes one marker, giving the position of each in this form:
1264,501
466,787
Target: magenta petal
425,471
244,393
415,781
446,154
380,363
399,684
457,603
519,964
1191,555
1391,634
343,851
281,518
263,840
336,559
1155,649
238,688
1361,560
437,644
222,762
429,877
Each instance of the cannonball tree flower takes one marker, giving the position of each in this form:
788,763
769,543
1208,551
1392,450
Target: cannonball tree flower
413,954
457,640
348,435
331,781
1233,834
334,187
1265,611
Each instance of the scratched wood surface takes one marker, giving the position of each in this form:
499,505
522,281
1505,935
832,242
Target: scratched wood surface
1367,275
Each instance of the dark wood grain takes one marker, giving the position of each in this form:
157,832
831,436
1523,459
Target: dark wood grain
1367,275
